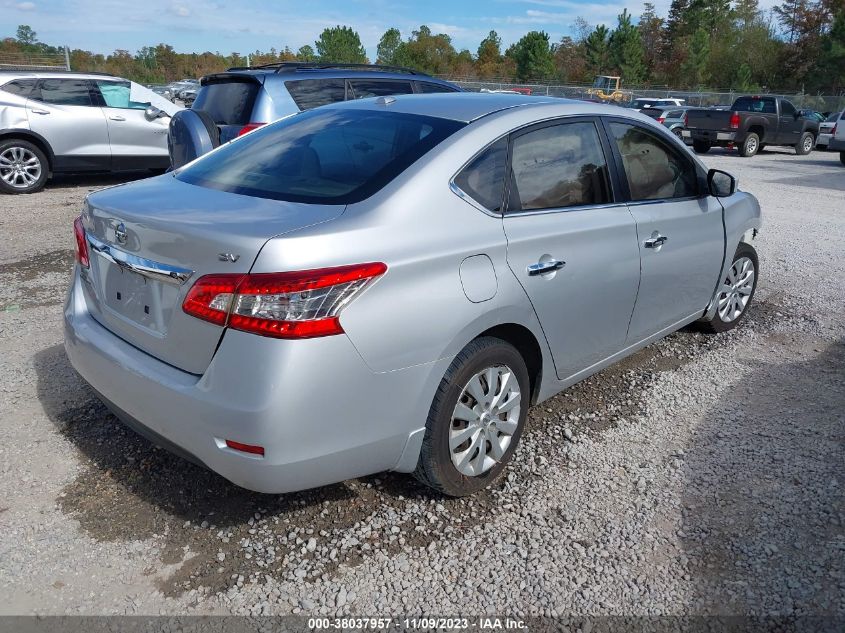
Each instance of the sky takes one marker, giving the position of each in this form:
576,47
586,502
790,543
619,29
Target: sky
243,26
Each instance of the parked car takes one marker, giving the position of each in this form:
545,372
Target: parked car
647,102
241,99
162,91
189,96
826,128
74,122
812,115
837,140
752,123
671,117
389,284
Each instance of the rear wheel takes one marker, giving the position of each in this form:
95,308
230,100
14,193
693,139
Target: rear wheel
805,145
701,147
750,146
842,157
23,167
679,132
736,290
476,418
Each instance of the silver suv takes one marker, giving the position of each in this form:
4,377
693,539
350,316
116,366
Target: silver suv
73,122
241,99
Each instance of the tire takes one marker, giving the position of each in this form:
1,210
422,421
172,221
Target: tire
437,465
726,316
23,167
842,157
701,147
805,144
750,146
679,132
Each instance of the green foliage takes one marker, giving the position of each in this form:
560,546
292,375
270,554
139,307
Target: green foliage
597,49
694,68
388,46
833,52
533,57
25,35
626,50
306,54
340,44
744,81
426,51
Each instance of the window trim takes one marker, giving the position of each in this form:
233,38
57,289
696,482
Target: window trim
612,176
463,195
668,139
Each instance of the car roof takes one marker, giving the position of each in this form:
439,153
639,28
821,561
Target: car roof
470,106
333,73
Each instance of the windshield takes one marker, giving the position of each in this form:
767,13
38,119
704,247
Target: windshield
321,156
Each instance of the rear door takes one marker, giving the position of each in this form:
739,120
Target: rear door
570,244
63,112
136,143
680,230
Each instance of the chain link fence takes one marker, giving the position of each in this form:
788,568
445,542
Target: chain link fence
704,99
21,61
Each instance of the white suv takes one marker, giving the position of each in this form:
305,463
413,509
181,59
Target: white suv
73,122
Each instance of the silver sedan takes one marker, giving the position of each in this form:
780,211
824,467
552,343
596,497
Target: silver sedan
389,284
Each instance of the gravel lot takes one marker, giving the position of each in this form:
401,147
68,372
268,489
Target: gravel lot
703,475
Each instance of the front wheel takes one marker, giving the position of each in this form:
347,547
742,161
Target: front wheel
23,167
805,145
750,146
476,418
736,290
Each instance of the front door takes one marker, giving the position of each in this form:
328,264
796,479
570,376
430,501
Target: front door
63,112
791,125
573,249
681,237
136,143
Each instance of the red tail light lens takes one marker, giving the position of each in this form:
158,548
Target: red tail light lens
303,304
686,119
661,119
81,243
735,121
249,127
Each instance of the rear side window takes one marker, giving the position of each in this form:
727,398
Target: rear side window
483,179
363,88
750,104
327,156
228,102
20,87
654,170
558,166
70,92
427,87
313,93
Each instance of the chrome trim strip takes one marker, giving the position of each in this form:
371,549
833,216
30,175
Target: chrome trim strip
463,195
144,267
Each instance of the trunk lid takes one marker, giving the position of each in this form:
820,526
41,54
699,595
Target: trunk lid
172,234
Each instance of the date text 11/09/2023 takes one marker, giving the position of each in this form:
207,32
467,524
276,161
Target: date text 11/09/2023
486,623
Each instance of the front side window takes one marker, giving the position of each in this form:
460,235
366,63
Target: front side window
115,94
558,166
363,88
654,170
483,179
313,93
331,156
69,92
786,108
20,87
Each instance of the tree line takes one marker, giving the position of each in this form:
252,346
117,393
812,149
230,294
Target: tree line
798,46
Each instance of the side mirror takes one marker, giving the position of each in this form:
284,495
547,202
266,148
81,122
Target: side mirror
152,113
720,183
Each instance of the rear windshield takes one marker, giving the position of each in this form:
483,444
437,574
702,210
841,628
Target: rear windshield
322,156
228,102
750,104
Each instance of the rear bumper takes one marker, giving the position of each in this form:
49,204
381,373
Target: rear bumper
837,145
710,136
320,413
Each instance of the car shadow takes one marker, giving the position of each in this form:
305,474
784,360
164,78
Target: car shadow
763,503
67,181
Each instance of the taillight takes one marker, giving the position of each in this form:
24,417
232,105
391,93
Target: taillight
245,448
735,121
686,119
303,304
81,243
249,127
661,119
833,131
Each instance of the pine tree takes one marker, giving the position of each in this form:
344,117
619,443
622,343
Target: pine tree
597,47
694,68
626,50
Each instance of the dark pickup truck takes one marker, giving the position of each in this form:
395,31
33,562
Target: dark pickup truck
750,124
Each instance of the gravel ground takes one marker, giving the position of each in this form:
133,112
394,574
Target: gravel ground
703,475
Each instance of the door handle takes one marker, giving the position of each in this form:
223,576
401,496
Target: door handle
656,241
116,118
39,111
542,268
